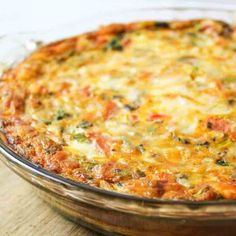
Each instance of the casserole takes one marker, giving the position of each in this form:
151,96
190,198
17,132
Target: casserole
156,215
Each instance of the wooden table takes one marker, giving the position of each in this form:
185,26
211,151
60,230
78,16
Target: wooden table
24,214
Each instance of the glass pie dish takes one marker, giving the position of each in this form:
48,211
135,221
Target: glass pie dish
109,212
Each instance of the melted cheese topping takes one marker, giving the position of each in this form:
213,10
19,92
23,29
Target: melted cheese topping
148,110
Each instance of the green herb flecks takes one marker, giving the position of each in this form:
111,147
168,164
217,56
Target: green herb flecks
61,114
195,72
114,44
46,122
224,144
89,165
229,79
151,129
79,137
140,173
192,38
202,191
84,124
204,144
122,173
197,27
222,162
188,59
182,140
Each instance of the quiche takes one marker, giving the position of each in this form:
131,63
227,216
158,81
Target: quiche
145,109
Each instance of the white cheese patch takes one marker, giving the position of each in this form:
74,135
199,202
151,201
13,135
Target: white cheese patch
89,150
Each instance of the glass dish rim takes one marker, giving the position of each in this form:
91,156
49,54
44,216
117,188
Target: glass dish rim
12,156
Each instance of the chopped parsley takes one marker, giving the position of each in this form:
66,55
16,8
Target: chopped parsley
194,73
79,137
61,114
117,96
182,140
140,173
222,162
224,144
229,79
114,44
151,129
204,144
122,173
84,124
90,165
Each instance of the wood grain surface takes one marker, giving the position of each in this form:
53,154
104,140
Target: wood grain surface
23,213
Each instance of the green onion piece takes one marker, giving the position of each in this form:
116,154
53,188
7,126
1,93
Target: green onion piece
194,73
81,138
151,129
84,124
114,44
61,114
222,162
140,173
224,143
122,173
229,79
